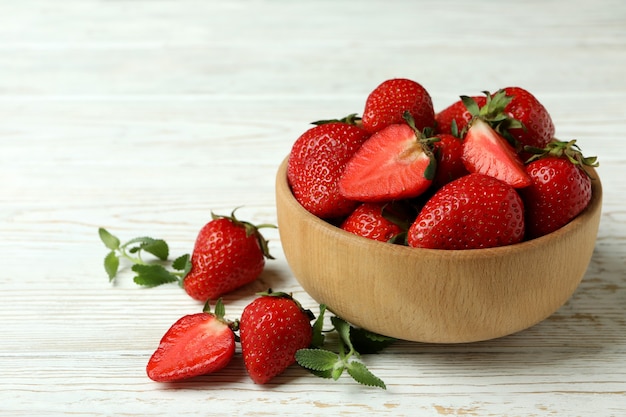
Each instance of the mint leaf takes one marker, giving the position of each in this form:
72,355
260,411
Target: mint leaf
322,374
158,248
343,330
331,364
317,359
359,372
111,264
182,263
318,334
366,342
108,239
152,275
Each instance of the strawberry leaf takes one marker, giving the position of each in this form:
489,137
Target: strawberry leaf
152,275
108,239
317,359
111,265
359,372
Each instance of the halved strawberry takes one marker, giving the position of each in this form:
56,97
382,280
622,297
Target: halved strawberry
197,344
394,163
487,152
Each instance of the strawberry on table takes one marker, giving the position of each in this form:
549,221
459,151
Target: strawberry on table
472,212
387,103
560,187
316,162
197,344
272,329
394,163
228,253
485,151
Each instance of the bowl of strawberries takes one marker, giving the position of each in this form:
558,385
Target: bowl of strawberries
462,225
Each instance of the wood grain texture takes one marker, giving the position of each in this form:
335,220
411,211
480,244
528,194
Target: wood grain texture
143,116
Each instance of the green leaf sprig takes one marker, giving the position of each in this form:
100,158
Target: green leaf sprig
148,274
326,363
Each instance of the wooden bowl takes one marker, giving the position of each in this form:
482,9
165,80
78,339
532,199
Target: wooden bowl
431,295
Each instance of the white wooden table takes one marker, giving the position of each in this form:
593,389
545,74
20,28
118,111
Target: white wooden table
143,116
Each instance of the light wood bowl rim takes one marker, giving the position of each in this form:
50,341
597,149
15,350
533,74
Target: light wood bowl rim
286,201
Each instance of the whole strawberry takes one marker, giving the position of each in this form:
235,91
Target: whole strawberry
197,344
387,103
368,220
317,161
448,151
453,119
272,329
537,127
472,212
560,188
228,253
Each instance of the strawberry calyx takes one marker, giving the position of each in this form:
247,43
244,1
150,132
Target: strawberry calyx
219,313
402,215
251,229
424,143
351,119
493,113
288,296
562,149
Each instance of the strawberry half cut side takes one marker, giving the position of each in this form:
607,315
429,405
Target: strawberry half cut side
197,344
486,152
394,163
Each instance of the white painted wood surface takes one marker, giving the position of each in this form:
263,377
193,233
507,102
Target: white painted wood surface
143,116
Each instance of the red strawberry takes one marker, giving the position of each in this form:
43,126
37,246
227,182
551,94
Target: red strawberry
394,163
272,329
474,211
316,163
538,128
448,152
196,344
228,254
387,103
560,188
516,114
458,113
367,220
487,152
